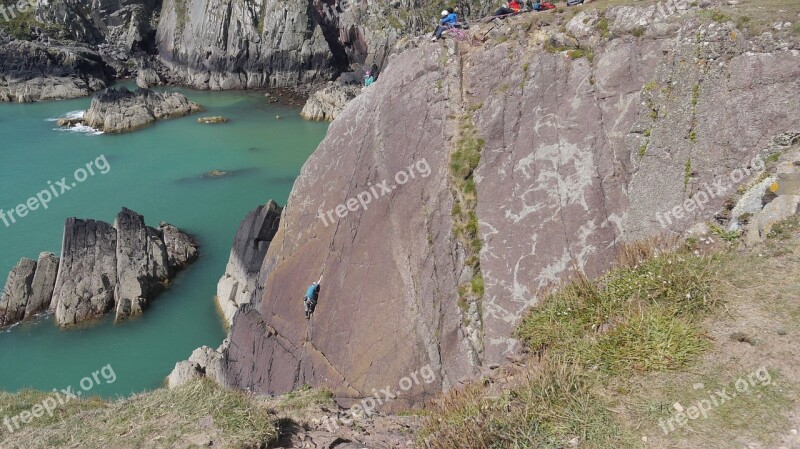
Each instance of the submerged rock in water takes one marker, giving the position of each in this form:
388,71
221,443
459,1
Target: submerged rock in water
211,120
328,103
216,174
69,122
250,245
120,110
102,267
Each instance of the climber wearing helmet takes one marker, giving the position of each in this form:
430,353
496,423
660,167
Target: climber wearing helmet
449,19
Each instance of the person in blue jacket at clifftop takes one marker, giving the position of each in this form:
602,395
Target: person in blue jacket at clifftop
449,19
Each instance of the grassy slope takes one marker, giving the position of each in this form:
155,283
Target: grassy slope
622,354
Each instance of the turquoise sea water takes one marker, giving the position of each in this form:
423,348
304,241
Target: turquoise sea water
158,173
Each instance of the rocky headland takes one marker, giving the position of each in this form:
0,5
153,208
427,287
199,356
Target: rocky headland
102,267
37,71
603,119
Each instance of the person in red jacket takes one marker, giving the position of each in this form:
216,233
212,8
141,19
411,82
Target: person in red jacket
513,7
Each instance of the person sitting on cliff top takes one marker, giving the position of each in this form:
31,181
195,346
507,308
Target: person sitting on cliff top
449,19
512,7
369,78
310,300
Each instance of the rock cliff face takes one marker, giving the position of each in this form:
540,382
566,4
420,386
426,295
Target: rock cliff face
507,182
120,110
33,71
250,245
123,26
102,267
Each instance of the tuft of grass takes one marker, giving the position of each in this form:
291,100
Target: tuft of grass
666,290
304,398
654,341
687,173
638,31
602,27
725,235
719,16
555,402
643,149
785,229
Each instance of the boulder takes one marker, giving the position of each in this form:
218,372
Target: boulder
148,77
181,248
779,209
87,275
142,269
120,110
204,362
212,120
250,245
328,102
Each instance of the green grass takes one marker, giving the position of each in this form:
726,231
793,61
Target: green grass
21,25
304,398
725,235
169,417
785,229
666,290
553,404
463,163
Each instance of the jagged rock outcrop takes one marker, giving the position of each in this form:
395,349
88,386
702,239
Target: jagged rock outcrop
181,248
34,71
17,292
250,245
204,362
576,155
28,289
119,26
141,263
328,102
120,110
102,267
87,275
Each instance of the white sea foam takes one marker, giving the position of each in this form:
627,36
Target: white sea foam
82,129
71,115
